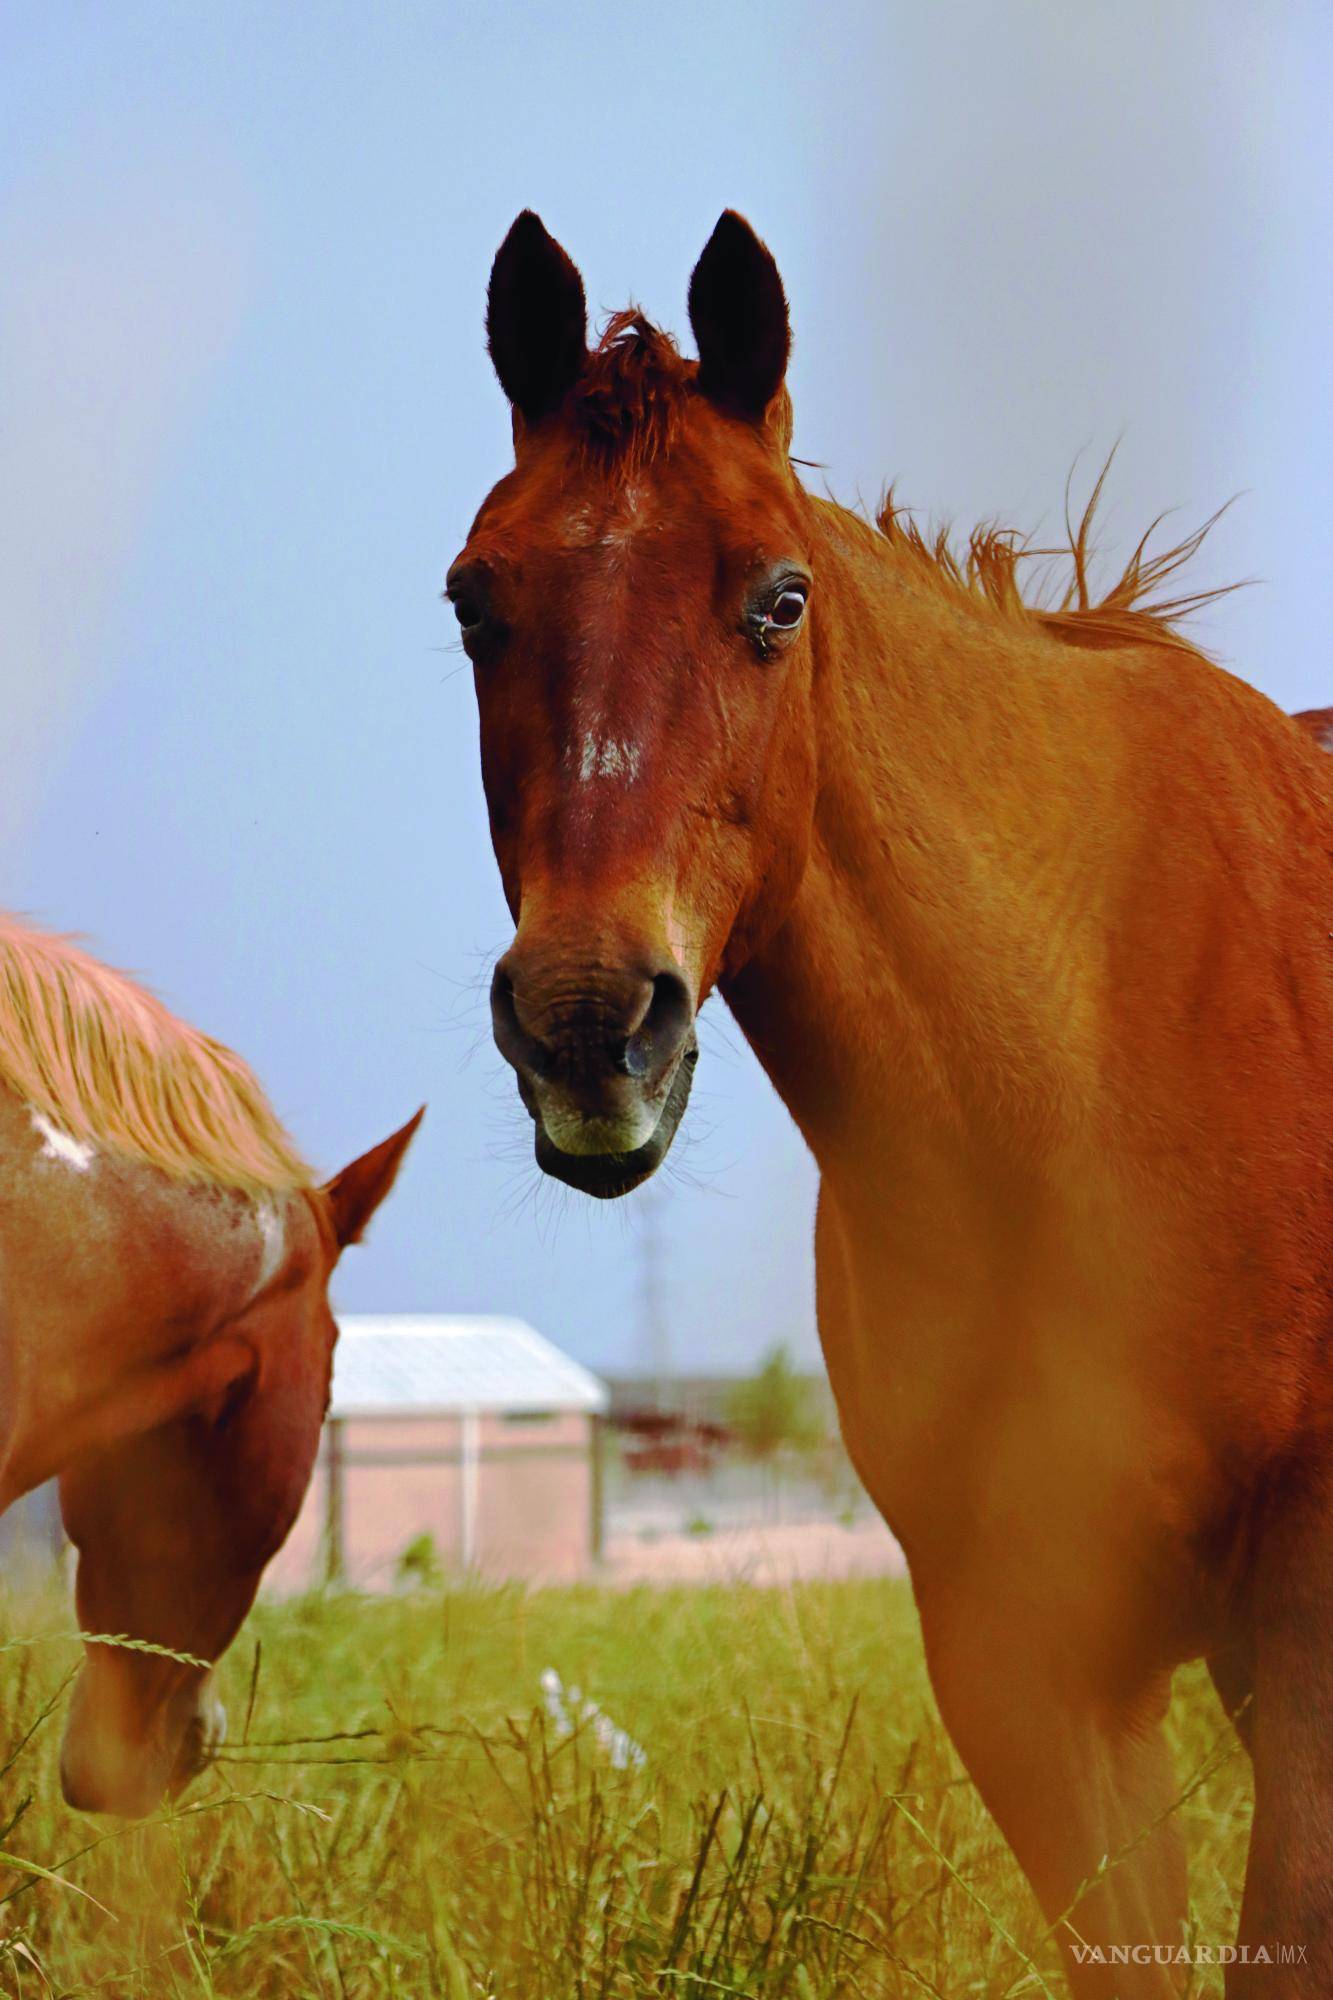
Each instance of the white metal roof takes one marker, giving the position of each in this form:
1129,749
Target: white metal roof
404,1364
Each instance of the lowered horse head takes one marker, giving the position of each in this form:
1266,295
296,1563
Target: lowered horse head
175,1518
633,597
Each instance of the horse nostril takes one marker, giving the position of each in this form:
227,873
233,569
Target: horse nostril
515,1044
504,1014
671,1011
632,1024
658,1038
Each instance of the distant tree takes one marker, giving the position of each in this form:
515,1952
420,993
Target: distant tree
419,1565
775,1410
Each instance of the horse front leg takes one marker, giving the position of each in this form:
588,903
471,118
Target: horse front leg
1080,1786
1286,1926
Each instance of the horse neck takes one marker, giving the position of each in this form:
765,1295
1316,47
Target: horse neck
933,967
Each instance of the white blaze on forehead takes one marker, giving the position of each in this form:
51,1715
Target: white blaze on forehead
608,757
610,525
595,751
627,520
272,1241
579,527
57,1145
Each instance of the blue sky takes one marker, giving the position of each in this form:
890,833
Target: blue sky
247,415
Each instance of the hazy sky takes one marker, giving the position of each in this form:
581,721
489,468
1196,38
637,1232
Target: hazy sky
246,415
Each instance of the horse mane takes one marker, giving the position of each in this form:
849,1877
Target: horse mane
629,397
628,404
1132,612
109,1064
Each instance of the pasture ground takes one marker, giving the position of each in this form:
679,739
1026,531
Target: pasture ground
398,1814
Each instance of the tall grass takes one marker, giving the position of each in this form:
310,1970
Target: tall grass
397,1813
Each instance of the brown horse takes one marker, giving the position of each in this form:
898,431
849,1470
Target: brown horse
165,1339
1029,917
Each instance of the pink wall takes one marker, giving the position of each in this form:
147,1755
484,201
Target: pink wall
533,1500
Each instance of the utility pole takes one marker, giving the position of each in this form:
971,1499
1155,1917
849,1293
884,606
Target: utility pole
655,1329
334,1513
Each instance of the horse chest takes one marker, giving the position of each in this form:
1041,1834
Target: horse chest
984,1409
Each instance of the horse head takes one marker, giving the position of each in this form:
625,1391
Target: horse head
635,600
174,1523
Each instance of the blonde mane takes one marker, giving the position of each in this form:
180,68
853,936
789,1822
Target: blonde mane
987,571
110,1065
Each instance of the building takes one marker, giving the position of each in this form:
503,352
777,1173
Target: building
474,1443
707,1399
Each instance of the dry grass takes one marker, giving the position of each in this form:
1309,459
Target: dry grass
397,1814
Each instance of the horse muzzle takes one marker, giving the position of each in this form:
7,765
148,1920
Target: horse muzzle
609,1173
604,1061
110,1763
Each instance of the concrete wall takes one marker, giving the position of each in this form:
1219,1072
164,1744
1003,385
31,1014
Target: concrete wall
402,1477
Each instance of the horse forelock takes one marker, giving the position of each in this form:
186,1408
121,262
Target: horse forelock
109,1065
629,404
629,400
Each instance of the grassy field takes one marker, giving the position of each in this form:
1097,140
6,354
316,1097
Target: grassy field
399,1815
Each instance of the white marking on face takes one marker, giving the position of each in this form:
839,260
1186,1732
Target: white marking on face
580,527
625,523
609,757
57,1145
272,1240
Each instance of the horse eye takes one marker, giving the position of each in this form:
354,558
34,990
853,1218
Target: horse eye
788,608
468,611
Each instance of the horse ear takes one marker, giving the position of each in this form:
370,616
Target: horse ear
536,319
355,1193
738,311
